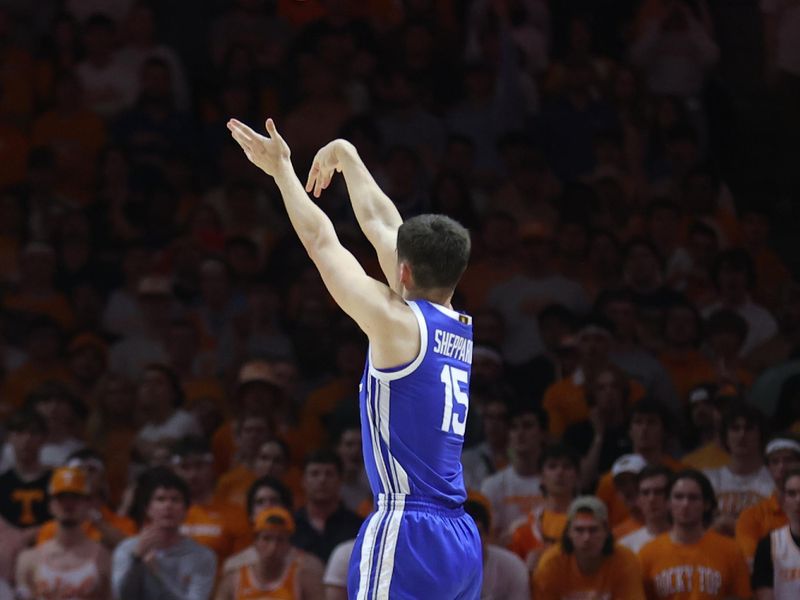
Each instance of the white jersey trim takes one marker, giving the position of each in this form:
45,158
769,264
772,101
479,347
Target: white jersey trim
412,366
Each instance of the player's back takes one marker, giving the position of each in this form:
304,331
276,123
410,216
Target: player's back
414,417
419,542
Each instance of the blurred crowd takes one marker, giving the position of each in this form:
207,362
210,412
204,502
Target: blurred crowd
623,167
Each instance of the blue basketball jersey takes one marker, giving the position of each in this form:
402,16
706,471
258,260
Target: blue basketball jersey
414,417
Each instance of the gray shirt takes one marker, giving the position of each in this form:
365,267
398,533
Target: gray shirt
184,571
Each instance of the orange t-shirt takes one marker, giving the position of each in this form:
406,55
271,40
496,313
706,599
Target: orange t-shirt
710,456
756,522
23,380
246,587
540,529
713,567
557,577
233,486
565,403
617,510
220,527
124,524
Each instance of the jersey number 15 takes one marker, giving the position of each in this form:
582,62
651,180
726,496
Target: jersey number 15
453,378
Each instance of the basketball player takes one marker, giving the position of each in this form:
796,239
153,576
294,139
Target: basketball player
691,560
71,565
776,568
414,398
278,571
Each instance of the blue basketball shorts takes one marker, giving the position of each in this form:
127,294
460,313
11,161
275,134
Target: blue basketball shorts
414,549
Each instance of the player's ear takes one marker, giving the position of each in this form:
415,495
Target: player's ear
404,273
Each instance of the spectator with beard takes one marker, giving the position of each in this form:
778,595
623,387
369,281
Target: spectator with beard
71,565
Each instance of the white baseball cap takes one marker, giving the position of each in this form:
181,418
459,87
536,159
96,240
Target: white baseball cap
628,463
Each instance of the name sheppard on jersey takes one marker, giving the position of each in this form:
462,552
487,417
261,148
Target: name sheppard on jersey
453,346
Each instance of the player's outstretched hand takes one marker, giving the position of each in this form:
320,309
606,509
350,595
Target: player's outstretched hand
269,154
326,163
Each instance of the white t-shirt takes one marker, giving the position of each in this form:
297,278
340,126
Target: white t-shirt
511,496
787,53
178,426
338,565
737,492
635,540
505,576
761,325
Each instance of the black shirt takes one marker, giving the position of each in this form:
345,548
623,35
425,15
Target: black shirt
763,569
341,526
24,503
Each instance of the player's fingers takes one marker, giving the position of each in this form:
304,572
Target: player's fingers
243,130
272,130
312,176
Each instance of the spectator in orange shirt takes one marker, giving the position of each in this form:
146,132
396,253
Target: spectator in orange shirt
755,522
707,403
545,524
565,400
682,335
265,492
587,563
103,524
252,431
690,561
43,345
221,527
279,569
36,292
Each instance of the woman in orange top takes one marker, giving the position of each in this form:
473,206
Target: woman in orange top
279,572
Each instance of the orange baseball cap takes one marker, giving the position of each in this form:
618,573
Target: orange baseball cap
276,518
68,480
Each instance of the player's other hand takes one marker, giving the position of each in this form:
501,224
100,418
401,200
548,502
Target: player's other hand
326,162
270,154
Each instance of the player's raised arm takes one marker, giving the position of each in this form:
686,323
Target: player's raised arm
376,213
367,301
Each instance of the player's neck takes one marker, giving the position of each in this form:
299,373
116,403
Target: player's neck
745,465
687,534
436,296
